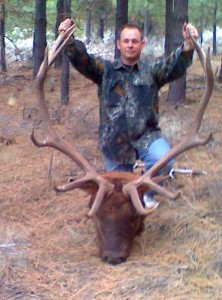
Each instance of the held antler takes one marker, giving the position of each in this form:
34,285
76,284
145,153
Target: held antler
54,141
190,140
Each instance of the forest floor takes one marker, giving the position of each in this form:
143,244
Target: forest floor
48,247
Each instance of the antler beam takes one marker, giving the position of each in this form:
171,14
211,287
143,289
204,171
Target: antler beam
191,139
53,140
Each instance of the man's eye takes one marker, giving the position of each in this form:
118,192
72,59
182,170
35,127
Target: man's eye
132,41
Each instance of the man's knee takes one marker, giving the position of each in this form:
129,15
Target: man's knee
155,152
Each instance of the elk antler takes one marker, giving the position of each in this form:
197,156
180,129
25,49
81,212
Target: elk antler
54,141
190,140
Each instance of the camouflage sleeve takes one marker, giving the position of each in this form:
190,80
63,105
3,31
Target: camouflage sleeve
172,67
86,64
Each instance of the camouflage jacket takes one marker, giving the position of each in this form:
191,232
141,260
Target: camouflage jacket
128,98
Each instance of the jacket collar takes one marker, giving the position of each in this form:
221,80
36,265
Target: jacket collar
118,64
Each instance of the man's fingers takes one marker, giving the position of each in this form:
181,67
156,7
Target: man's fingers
65,25
191,30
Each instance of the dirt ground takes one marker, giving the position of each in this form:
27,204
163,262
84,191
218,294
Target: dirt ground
48,247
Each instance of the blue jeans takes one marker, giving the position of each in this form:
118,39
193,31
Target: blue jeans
157,150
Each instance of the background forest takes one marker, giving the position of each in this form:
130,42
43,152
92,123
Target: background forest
20,16
27,28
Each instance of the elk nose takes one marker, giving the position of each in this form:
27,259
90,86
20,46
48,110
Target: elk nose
114,260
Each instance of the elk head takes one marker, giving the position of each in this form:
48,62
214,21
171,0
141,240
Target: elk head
115,205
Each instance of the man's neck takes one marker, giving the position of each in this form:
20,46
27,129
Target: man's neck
128,62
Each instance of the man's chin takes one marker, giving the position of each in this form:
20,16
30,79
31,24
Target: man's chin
132,57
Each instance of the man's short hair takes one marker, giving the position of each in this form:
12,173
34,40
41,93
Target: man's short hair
130,26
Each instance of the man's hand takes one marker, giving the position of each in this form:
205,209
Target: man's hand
64,25
188,45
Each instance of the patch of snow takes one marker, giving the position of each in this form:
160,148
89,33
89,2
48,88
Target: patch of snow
22,51
154,46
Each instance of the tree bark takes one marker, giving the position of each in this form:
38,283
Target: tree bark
215,28
177,89
59,18
147,24
88,21
39,41
65,63
101,25
169,29
121,18
201,23
2,36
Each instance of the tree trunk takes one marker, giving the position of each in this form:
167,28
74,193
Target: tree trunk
65,63
2,36
39,41
121,18
59,18
147,24
101,26
177,89
169,28
215,28
88,22
201,22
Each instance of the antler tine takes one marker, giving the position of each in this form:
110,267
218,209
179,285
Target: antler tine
57,47
201,54
190,140
60,43
102,191
206,64
52,139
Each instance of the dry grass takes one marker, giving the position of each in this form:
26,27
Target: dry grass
48,248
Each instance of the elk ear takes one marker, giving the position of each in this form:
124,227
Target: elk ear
90,188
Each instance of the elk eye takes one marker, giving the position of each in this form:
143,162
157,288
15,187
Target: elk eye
71,179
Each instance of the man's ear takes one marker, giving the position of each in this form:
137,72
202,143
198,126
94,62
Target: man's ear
143,43
118,44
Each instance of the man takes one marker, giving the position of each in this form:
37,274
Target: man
128,94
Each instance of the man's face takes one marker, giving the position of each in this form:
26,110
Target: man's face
130,45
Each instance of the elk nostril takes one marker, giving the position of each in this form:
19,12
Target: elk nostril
122,260
114,260
105,258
